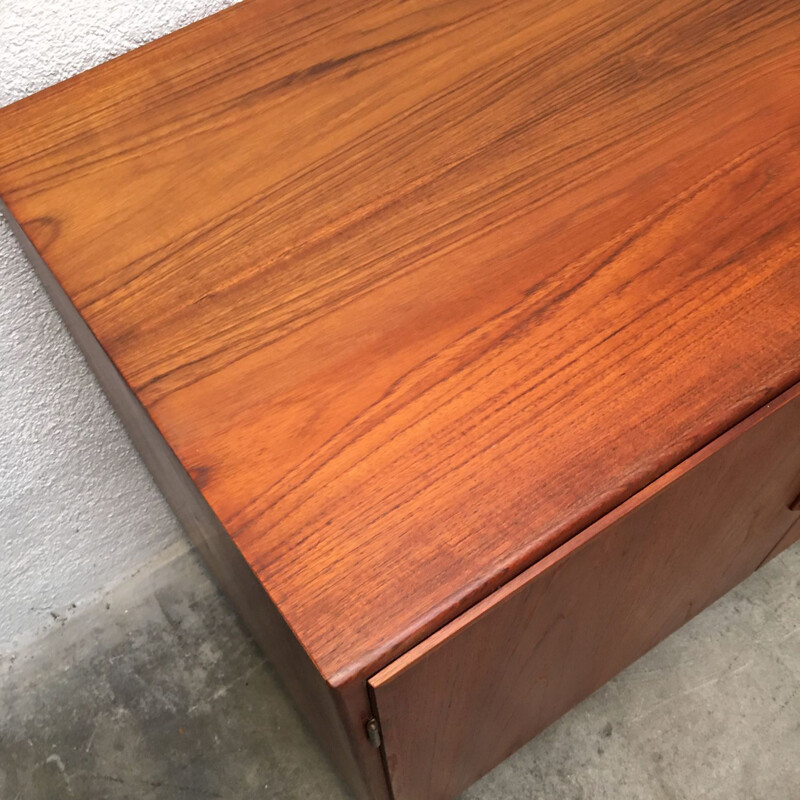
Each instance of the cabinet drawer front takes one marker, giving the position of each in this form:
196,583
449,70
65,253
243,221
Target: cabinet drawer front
466,698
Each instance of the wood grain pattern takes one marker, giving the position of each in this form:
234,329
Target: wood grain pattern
417,290
337,718
478,689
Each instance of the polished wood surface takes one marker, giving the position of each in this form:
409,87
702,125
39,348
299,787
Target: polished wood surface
415,291
478,689
336,717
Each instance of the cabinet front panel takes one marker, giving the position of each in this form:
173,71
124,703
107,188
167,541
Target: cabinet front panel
466,698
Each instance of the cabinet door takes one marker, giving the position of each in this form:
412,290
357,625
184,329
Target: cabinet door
466,698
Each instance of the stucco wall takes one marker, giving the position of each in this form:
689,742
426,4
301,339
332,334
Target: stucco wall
77,508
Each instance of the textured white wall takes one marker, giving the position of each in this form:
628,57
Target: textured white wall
77,507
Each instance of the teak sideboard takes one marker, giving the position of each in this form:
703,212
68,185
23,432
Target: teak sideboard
463,338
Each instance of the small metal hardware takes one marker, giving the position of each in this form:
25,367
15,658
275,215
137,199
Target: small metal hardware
373,732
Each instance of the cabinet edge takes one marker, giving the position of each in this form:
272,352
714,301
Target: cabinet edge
474,612
333,713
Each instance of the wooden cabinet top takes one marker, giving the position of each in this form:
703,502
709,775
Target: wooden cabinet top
417,290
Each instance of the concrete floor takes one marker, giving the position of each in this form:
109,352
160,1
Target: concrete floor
155,691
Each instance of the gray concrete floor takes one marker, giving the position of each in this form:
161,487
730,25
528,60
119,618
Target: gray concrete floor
155,691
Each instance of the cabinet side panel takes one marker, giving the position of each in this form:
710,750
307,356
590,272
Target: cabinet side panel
316,700
465,699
